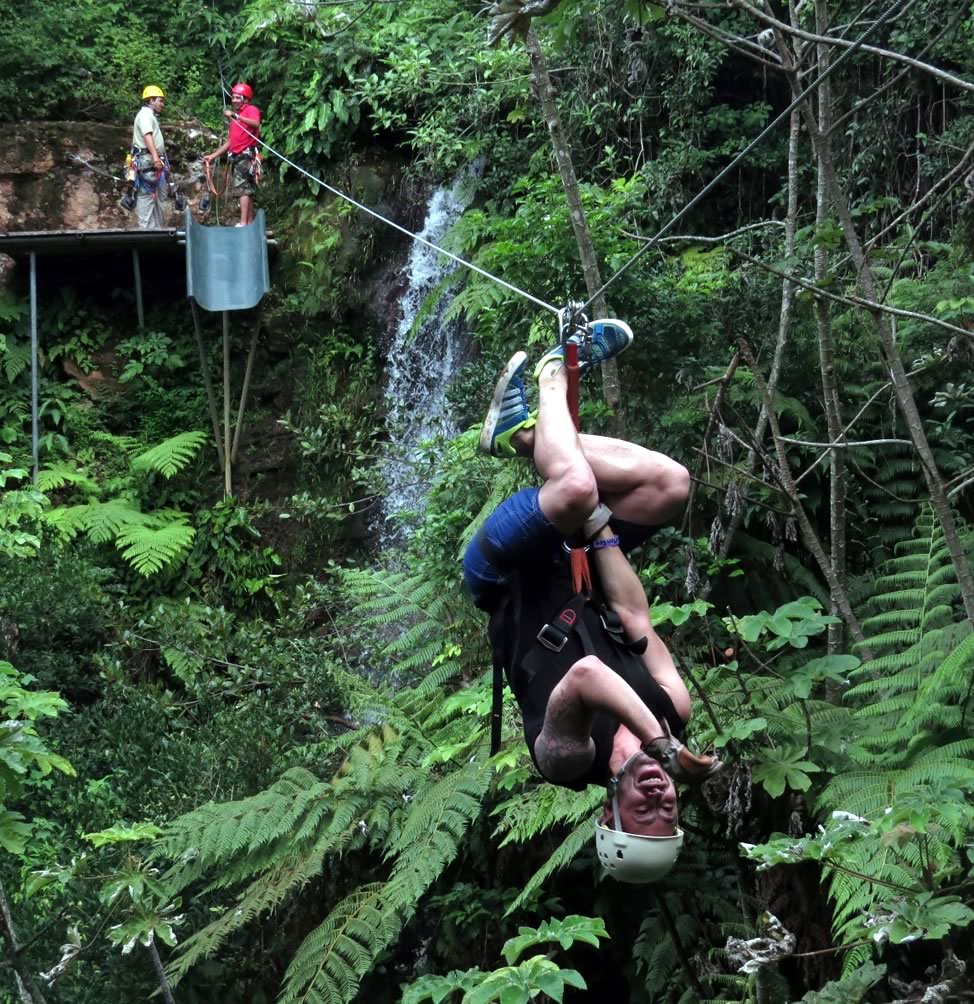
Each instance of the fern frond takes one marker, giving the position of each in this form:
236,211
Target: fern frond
148,549
563,856
58,475
542,807
331,961
171,455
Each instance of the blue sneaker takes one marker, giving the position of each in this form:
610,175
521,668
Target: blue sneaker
508,412
607,339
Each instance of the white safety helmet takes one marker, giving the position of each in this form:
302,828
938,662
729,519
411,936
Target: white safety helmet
631,857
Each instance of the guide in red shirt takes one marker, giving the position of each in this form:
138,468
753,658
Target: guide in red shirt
243,149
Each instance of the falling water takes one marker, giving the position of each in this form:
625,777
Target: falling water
423,359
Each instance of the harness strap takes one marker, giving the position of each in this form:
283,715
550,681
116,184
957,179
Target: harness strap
510,602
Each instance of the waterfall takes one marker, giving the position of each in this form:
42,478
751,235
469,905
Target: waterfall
423,358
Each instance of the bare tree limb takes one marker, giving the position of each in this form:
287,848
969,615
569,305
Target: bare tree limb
845,44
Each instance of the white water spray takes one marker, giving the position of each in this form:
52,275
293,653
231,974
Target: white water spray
423,358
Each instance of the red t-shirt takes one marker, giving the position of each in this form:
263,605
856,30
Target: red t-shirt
241,136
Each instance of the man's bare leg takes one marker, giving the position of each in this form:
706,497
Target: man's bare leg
638,485
565,749
569,493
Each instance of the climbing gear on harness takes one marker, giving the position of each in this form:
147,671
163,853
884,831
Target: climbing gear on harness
244,90
508,412
140,169
607,339
632,857
679,762
152,91
247,166
127,201
203,206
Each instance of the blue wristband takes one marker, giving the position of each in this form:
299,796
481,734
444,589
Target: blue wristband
605,542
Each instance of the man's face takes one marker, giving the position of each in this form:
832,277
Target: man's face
238,102
647,800
157,104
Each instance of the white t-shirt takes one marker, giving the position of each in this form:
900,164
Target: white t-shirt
146,121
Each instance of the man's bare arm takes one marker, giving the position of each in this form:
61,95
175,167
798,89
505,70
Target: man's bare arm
627,598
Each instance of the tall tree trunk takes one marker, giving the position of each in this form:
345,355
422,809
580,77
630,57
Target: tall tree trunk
576,211
26,987
901,383
826,348
160,973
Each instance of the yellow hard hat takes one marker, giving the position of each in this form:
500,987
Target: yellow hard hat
152,91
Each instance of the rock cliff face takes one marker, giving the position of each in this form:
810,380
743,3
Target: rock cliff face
45,184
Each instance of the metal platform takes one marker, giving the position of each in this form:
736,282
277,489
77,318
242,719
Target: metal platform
18,244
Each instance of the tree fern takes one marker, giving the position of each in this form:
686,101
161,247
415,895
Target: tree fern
912,628
149,548
148,541
60,475
577,841
171,455
542,807
331,961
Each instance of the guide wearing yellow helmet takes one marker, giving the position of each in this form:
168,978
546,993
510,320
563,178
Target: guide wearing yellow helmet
150,168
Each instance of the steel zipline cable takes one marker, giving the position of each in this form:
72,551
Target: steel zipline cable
717,179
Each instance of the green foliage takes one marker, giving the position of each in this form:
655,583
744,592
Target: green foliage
516,984
25,758
917,685
170,456
850,989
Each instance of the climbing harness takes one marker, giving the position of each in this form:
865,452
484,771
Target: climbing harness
138,171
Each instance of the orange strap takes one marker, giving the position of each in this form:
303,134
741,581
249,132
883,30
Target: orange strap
581,573
209,179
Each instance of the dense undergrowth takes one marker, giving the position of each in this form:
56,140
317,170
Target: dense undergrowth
246,746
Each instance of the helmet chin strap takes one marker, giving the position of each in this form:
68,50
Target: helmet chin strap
613,790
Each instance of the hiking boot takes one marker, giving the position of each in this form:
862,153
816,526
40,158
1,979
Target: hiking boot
508,412
680,763
607,338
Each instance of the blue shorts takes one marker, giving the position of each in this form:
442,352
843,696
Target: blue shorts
519,535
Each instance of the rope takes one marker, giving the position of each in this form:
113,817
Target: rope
91,167
209,179
416,237
712,184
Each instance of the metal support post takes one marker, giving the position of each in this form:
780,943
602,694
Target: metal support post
35,439
251,352
207,382
227,460
140,309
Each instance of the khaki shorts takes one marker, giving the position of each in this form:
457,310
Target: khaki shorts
243,176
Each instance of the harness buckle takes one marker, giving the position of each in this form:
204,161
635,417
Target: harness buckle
552,638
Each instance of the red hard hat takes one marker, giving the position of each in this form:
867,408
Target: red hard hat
245,90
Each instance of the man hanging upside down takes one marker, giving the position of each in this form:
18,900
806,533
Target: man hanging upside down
601,699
